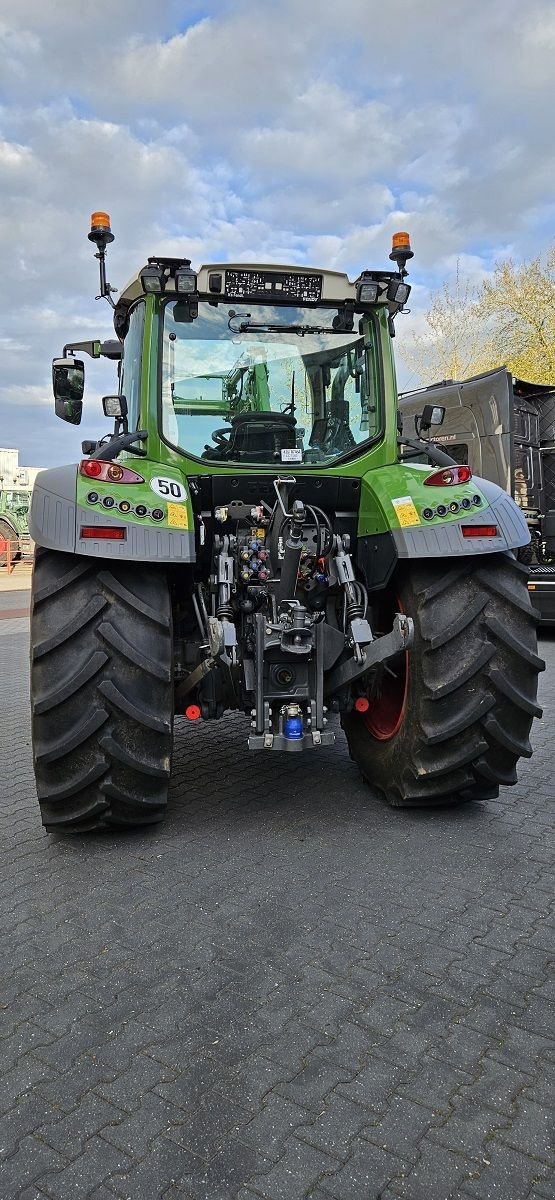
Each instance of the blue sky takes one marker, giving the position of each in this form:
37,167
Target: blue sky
285,130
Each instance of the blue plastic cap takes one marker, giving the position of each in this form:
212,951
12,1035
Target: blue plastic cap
293,728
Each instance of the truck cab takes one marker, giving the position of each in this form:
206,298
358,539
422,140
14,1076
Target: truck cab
504,429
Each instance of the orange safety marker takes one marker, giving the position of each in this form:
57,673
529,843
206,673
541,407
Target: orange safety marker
192,712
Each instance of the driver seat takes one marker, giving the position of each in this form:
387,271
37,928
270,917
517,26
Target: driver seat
257,437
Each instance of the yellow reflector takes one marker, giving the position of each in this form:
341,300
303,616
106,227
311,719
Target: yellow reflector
531,587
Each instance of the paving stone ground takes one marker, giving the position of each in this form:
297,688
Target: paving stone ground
288,990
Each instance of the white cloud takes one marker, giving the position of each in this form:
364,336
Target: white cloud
279,132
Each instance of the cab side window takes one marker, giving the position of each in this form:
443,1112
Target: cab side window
130,379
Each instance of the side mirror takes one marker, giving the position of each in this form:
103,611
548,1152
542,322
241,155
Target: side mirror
432,414
68,383
115,406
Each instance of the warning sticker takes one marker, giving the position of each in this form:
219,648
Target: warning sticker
292,454
405,510
178,516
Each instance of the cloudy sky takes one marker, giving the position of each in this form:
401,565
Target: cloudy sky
278,130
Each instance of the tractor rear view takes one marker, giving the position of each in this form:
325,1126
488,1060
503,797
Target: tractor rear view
247,538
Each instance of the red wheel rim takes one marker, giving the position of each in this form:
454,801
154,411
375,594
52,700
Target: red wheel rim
386,713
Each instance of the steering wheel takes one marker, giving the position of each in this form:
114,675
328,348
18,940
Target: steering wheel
221,437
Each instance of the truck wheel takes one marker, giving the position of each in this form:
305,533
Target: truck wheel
101,692
453,719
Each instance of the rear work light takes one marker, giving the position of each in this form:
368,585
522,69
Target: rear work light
111,532
479,530
449,475
111,472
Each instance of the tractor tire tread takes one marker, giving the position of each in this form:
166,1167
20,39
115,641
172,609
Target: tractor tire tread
101,692
91,610
133,655
472,693
140,715
72,685
72,738
116,588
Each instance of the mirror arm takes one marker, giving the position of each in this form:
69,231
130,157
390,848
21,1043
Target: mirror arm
110,349
90,348
123,441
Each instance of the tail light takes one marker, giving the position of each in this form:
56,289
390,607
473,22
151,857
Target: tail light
479,530
110,472
449,475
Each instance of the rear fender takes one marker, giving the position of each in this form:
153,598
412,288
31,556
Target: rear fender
395,498
60,509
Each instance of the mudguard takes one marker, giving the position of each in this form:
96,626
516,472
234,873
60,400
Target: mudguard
396,500
61,509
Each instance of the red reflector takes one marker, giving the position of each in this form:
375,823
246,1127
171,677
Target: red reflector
192,712
113,532
362,704
479,530
447,476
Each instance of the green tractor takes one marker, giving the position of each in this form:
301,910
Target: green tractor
14,514
248,538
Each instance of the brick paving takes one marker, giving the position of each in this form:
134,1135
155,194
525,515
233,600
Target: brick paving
286,991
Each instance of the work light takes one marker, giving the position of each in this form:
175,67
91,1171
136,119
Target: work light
367,291
398,292
153,280
185,281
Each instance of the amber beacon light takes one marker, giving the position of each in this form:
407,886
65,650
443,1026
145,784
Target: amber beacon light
100,228
401,250
101,234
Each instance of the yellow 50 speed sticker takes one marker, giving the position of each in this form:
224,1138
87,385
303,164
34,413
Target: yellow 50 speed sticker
178,516
405,510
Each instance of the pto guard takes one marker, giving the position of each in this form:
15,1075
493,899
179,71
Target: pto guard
59,510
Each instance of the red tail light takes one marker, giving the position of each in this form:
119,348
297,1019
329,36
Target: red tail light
449,475
114,533
479,530
111,472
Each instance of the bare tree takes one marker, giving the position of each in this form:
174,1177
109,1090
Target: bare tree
455,344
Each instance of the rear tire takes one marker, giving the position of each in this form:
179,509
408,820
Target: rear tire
453,724
101,692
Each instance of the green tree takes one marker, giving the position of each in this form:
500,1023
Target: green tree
508,321
517,306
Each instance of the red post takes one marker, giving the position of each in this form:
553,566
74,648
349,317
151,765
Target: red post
6,548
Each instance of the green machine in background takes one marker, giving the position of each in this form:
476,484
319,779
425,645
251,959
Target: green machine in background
256,534
14,518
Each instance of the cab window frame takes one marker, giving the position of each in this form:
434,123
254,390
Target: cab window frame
375,352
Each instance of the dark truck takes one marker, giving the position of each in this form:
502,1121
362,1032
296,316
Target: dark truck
504,428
